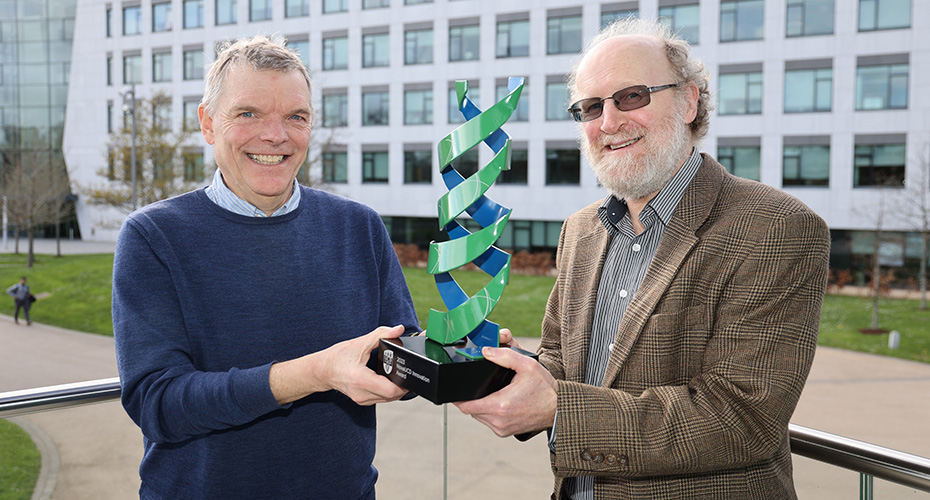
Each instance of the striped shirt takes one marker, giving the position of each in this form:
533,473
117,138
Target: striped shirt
628,259
225,198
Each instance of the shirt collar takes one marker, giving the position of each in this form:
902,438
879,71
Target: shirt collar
612,210
220,194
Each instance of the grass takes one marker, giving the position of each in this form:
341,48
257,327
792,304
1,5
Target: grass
19,463
843,316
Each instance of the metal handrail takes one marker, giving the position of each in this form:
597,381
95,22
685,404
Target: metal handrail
866,458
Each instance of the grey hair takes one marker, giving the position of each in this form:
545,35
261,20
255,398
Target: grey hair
258,53
687,69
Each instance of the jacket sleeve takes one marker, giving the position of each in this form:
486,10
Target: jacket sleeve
734,410
162,391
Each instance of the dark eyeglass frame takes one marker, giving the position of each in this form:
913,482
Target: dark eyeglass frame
578,109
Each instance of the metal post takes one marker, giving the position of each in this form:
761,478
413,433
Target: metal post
4,223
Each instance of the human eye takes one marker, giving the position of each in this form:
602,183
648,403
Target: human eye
247,114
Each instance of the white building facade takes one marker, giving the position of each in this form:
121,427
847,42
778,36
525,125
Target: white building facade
826,99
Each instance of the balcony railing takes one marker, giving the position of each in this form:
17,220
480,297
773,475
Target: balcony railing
867,459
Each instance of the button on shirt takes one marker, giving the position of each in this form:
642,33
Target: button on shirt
628,259
225,198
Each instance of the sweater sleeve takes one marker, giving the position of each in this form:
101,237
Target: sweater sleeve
162,391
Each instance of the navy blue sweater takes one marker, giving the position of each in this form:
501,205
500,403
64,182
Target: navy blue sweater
204,301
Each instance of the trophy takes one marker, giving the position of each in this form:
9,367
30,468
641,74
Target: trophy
445,365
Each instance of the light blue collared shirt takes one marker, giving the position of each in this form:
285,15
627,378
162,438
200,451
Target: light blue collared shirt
225,198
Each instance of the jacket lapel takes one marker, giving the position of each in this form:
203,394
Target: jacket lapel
677,242
591,247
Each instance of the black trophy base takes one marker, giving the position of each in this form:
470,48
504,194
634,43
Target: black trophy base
438,373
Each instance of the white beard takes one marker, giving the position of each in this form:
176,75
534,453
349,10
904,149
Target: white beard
630,177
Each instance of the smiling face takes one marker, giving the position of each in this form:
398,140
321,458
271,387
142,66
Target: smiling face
635,153
260,130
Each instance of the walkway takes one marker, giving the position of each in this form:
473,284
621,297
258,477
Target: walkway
94,451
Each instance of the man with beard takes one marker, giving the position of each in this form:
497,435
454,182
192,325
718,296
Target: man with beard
683,322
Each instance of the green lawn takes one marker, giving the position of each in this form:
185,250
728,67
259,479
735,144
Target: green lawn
19,463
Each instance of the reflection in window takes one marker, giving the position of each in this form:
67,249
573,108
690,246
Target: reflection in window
557,101
132,69
740,93
296,8
418,46
455,115
513,39
881,87
809,17
418,107
161,67
161,17
335,110
466,164
463,43
519,165
884,14
375,108
418,168
375,167
879,165
563,35
563,166
302,47
375,4
376,50
193,14
336,168
193,166
191,118
335,53
132,20
806,166
683,20
608,18
742,161
226,12
330,6
193,64
522,113
808,90
741,20
259,10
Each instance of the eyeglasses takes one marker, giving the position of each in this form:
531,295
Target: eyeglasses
626,99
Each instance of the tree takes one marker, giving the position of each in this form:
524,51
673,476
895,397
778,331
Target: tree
915,205
163,167
35,186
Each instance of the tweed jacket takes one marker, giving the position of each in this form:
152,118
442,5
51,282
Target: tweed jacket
710,357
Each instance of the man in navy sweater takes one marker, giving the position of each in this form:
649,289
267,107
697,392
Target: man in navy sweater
245,313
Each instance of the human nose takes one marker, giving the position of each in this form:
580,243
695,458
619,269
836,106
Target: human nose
612,119
274,131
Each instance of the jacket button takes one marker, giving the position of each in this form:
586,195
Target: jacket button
611,458
624,460
586,455
599,458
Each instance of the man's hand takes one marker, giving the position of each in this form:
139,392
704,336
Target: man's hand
506,339
527,404
341,367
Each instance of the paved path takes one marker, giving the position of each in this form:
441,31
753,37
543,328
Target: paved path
93,452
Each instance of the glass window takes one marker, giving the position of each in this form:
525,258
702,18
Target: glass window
522,113
193,64
418,167
330,6
302,47
513,39
806,166
375,4
161,67
808,90
519,163
161,114
335,110
132,20
608,18
376,50
418,107
466,164
881,87
742,161
463,43
741,20
193,14
879,165
414,2
296,8
740,94
161,17
193,166
109,22
809,17
563,35
259,10
109,117
132,69
226,12
335,53
455,115
191,118
563,166
336,168
375,108
375,166
418,46
684,20
557,101
109,69
884,14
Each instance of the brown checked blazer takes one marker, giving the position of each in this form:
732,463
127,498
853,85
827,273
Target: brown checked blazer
712,353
